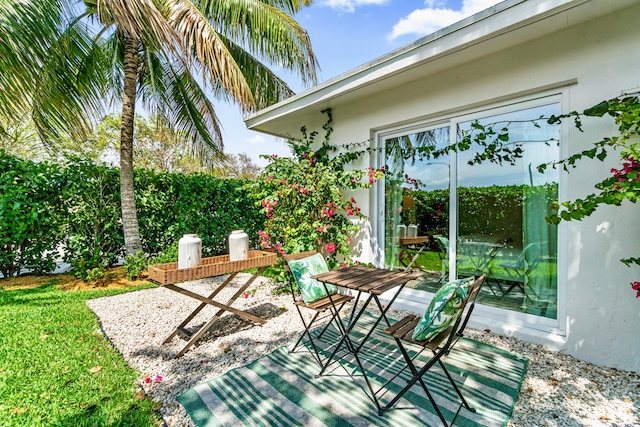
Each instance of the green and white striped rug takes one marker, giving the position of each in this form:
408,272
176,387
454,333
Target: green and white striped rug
280,389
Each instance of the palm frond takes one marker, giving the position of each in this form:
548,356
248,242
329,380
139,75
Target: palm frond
70,87
267,87
26,32
289,6
114,54
169,90
210,52
141,19
267,30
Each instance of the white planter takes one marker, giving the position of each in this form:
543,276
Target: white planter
238,245
189,251
402,231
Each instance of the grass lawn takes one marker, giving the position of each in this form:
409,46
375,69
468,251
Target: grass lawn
56,367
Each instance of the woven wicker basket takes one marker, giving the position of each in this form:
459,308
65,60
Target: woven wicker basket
165,274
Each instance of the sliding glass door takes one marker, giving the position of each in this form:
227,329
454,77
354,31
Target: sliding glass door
466,198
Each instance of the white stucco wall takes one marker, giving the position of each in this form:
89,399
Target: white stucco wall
597,60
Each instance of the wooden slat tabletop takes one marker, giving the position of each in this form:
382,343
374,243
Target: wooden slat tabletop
366,279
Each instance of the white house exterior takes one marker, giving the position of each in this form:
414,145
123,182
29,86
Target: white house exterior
549,56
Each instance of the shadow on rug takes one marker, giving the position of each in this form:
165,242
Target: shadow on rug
280,389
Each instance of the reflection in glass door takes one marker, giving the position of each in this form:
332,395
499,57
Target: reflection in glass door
417,203
502,204
497,225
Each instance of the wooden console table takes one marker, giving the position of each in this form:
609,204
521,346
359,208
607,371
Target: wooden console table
166,275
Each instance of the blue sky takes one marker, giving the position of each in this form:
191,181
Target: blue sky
345,34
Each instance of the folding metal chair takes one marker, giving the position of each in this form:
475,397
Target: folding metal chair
520,270
440,345
324,306
443,254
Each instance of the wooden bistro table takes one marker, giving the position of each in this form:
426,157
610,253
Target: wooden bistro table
374,282
167,275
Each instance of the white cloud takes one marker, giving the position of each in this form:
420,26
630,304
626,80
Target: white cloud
434,16
257,139
350,5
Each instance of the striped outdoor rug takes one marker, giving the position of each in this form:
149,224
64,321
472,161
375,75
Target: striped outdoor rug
280,389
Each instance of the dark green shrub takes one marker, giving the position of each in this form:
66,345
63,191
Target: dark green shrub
170,205
134,264
94,238
169,254
45,208
30,215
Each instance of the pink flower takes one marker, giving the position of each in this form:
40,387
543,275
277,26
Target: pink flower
148,380
329,211
330,247
320,229
636,287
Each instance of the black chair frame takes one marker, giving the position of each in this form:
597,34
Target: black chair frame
440,346
328,307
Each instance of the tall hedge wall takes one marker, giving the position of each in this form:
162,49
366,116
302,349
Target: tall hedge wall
75,209
494,211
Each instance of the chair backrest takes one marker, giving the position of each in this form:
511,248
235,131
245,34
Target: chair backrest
468,304
443,243
301,267
529,257
289,257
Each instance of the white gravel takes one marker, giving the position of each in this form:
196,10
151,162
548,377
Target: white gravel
558,390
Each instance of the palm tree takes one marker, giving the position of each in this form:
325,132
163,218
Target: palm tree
64,63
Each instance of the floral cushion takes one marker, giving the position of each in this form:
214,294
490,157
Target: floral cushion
444,309
302,270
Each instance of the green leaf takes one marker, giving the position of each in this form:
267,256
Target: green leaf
601,155
598,110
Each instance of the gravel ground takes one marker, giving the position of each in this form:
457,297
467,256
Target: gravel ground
558,390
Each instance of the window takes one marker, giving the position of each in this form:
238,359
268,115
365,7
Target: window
466,199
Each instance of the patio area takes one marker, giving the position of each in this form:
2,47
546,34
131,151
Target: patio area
558,390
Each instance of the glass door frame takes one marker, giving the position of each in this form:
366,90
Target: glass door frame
417,299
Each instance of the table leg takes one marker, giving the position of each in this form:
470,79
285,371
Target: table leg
209,301
383,315
351,349
200,307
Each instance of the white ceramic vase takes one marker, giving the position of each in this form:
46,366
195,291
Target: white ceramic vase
238,245
189,251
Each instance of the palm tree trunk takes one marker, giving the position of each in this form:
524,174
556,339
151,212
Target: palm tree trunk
127,199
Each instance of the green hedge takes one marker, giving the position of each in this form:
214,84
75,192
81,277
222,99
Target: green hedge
76,208
170,205
494,211
30,212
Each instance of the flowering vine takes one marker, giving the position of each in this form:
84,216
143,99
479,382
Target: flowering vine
303,198
624,182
